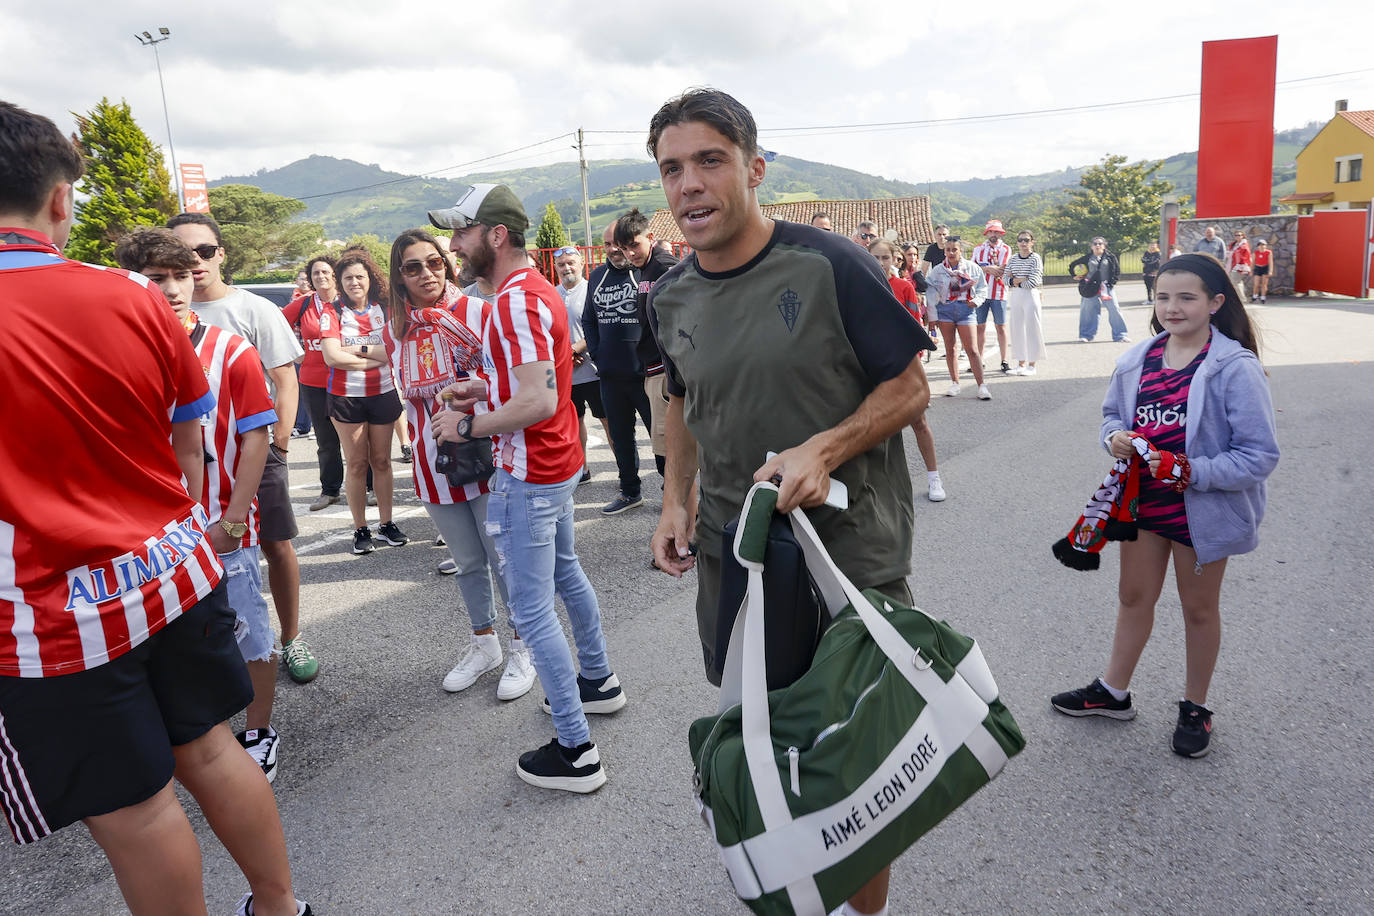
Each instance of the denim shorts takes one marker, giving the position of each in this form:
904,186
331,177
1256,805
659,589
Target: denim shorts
254,627
998,309
954,312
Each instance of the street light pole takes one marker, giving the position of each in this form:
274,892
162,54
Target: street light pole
148,41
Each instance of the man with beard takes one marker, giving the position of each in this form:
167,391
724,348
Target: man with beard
523,402
610,323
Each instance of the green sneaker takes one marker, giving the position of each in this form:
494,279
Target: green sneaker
301,663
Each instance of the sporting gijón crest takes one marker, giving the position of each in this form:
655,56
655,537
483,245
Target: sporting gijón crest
790,307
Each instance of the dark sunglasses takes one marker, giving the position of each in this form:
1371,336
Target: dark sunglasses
1025,238
205,252
867,236
434,264
562,251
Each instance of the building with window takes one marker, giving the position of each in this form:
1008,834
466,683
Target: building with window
1334,167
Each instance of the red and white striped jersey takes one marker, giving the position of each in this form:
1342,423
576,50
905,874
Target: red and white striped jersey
998,255
100,546
353,328
529,323
303,314
430,485
242,404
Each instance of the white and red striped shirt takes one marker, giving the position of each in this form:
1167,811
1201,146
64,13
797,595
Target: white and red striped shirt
353,328
242,404
430,485
986,255
528,324
303,315
100,546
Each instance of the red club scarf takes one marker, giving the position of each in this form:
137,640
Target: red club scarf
1112,511
438,348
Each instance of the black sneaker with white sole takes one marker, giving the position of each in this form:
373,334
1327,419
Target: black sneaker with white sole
554,766
602,696
261,744
387,531
622,503
1093,700
1193,736
362,540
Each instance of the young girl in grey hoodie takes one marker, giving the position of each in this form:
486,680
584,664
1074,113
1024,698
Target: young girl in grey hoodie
1198,393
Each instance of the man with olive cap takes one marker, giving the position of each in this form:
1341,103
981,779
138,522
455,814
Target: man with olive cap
524,403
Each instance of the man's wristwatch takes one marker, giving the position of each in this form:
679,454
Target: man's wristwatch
465,426
234,529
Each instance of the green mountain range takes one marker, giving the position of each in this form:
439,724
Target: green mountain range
351,198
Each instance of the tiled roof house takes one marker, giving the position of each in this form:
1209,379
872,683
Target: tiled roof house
910,216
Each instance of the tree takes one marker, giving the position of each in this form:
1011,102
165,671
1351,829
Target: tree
257,229
1117,201
373,244
551,232
126,182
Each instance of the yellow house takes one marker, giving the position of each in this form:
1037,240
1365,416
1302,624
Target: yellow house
1334,168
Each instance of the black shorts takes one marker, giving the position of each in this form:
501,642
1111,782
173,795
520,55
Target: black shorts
375,409
276,516
84,744
588,394
1262,271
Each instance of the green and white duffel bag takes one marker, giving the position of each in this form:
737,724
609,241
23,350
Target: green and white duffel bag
813,789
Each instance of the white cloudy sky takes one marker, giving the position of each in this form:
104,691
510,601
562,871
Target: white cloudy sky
423,86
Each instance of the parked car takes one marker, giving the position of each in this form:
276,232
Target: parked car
279,293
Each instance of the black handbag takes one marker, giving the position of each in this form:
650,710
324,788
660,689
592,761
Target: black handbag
465,462
794,609
1089,287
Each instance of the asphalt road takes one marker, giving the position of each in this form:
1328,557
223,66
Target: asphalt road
400,798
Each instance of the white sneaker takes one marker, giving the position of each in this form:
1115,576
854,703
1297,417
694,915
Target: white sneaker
983,393
518,677
952,391
1029,370
1018,370
482,656
937,490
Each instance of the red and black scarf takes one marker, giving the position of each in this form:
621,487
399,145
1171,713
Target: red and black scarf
1112,512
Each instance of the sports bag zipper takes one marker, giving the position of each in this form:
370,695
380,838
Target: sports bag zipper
793,756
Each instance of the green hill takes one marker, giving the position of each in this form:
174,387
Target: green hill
351,198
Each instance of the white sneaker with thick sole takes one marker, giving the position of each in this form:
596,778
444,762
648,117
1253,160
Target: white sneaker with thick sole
983,393
482,656
952,391
936,493
518,677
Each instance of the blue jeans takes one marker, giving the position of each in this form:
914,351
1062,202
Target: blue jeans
532,526
1090,310
243,578
463,526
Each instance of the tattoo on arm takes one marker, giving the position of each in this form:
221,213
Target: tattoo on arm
551,380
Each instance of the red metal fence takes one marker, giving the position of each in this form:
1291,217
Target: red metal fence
591,258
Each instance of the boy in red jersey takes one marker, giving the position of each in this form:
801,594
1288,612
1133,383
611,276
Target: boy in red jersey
117,658
235,435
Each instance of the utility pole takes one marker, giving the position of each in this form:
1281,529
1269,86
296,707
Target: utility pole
586,210
148,41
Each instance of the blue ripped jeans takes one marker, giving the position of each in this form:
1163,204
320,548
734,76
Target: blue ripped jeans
532,526
1090,311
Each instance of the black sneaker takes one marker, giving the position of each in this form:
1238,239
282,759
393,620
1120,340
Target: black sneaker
261,745
387,531
554,766
407,454
362,540
246,907
586,476
1193,736
621,503
602,696
1005,367
1093,700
